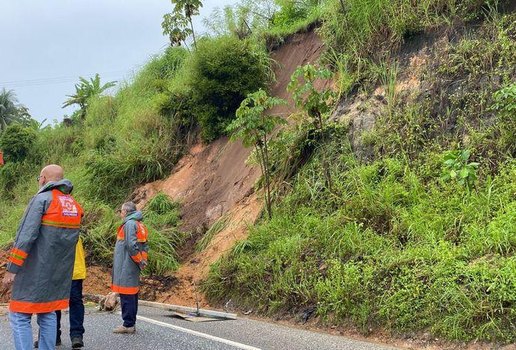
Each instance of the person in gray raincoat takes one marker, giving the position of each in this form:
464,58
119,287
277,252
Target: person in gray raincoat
42,258
130,258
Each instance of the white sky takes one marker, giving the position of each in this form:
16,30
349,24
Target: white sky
46,45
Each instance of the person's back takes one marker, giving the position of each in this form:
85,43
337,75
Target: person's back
41,260
43,284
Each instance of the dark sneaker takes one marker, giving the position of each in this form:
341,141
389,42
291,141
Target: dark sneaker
77,343
36,344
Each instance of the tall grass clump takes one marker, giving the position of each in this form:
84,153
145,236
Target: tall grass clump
360,34
161,216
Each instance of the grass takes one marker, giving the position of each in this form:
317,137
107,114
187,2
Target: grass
389,250
216,228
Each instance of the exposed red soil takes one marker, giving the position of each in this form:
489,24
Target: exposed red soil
4,297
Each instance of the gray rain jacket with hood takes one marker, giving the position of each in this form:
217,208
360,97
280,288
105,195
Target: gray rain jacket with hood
130,254
43,253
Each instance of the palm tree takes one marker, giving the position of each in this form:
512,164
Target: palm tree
85,90
10,110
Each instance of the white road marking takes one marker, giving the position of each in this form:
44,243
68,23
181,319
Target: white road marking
198,334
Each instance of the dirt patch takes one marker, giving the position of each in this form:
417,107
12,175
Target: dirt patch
298,50
4,297
98,280
208,182
192,272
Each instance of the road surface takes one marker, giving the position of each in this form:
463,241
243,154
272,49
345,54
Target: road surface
156,329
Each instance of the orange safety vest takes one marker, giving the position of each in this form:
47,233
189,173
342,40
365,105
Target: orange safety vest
63,212
141,237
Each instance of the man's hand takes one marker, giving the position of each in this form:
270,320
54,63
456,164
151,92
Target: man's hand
7,281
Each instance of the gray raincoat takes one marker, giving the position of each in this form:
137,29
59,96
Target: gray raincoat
43,253
130,254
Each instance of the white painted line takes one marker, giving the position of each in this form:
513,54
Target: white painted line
198,334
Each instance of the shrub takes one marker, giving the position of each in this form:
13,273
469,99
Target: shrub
16,142
223,71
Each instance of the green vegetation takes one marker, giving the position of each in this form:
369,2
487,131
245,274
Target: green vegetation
175,24
224,71
216,228
315,102
417,236
84,91
10,110
397,243
253,127
136,136
16,142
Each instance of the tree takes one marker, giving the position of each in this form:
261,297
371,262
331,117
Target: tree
252,125
175,24
11,111
315,102
242,19
17,141
86,90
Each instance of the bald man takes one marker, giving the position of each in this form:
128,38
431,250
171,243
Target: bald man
42,258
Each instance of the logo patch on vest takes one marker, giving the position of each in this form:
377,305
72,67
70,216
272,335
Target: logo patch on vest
69,207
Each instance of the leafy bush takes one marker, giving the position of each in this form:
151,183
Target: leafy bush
457,167
16,142
223,71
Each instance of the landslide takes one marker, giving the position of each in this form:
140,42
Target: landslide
213,181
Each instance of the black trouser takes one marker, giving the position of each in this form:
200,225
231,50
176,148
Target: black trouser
76,311
129,304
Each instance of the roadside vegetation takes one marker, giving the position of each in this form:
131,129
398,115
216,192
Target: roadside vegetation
409,226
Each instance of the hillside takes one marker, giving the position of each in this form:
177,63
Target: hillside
393,193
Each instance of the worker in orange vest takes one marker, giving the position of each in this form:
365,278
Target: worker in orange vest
130,258
42,258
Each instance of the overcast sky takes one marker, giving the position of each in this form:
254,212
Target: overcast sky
47,45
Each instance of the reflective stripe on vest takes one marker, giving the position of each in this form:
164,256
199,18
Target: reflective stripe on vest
124,290
37,308
17,256
63,212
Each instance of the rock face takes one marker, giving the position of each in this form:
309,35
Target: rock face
360,115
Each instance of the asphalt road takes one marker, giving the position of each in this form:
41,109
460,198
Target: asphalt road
156,329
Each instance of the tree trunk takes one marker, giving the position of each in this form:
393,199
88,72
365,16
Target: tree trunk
267,177
193,33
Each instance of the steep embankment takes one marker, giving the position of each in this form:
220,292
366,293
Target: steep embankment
213,181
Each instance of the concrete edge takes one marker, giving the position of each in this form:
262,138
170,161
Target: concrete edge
176,308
